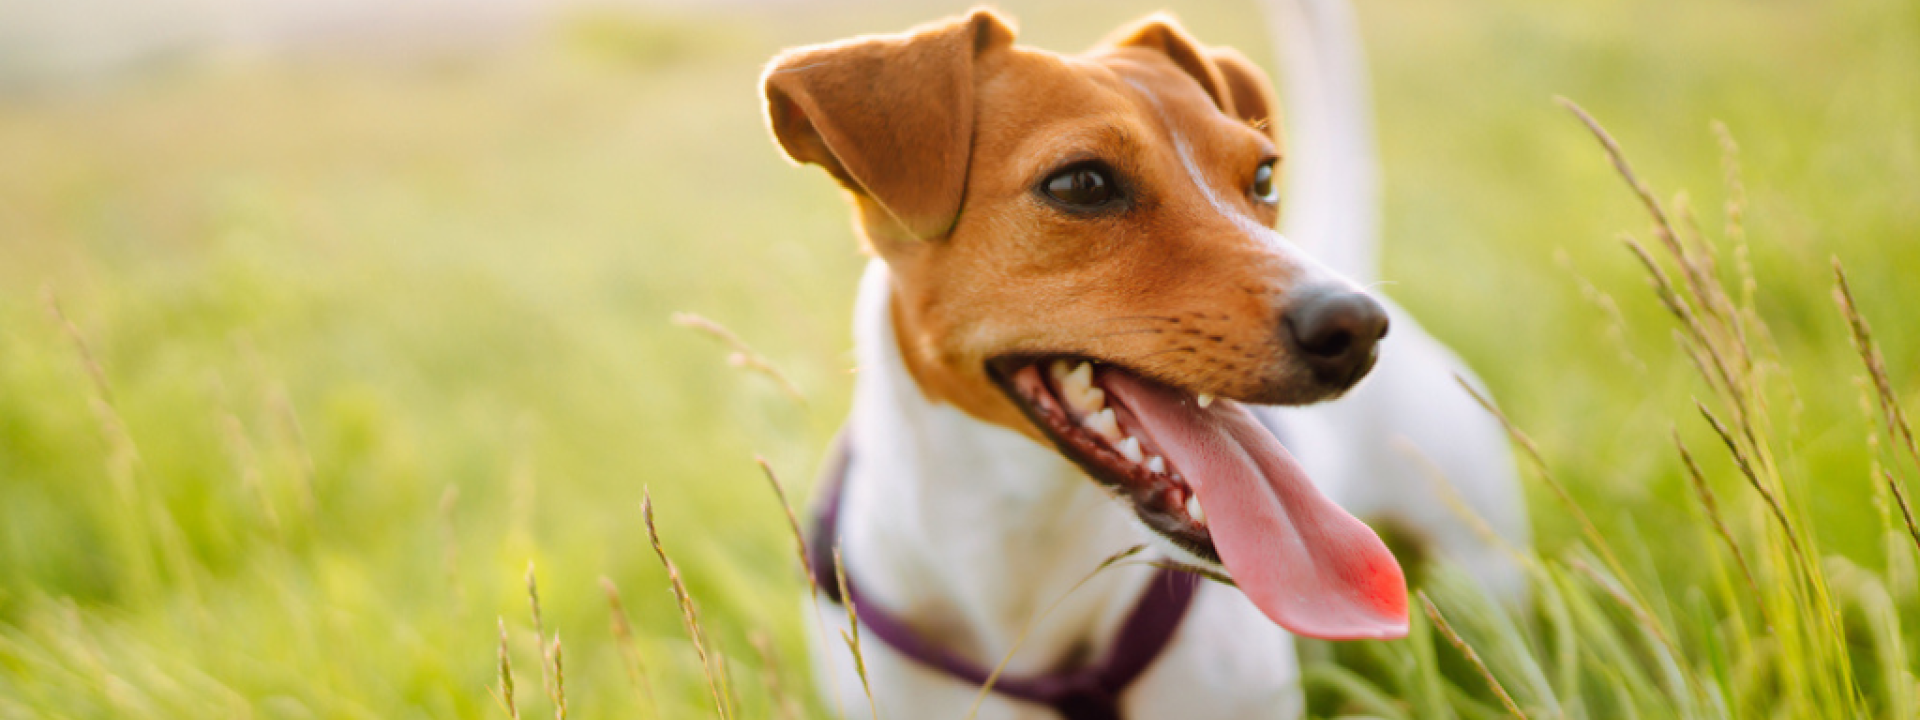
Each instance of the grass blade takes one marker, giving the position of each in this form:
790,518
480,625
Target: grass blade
689,615
1440,623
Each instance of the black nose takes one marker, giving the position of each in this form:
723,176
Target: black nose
1337,331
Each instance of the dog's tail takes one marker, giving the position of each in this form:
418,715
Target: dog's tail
1333,205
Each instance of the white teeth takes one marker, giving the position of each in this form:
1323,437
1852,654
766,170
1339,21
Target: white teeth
1157,465
1104,424
1076,387
1130,449
1079,380
1205,399
1193,509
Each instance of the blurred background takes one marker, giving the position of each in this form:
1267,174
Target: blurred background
321,320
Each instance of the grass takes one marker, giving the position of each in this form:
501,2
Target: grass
1797,633
303,361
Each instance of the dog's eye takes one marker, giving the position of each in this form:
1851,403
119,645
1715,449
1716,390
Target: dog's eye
1082,186
1264,188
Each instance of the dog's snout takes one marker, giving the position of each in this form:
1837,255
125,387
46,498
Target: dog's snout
1337,331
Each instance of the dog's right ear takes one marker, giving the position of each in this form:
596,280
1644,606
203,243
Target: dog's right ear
1252,92
890,116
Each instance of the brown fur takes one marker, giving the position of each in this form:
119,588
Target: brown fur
942,134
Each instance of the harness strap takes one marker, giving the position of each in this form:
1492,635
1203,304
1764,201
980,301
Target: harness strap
1090,692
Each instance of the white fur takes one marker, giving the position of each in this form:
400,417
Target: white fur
971,531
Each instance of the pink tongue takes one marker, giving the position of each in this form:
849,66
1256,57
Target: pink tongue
1306,563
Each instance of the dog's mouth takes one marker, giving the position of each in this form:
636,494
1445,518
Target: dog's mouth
1204,474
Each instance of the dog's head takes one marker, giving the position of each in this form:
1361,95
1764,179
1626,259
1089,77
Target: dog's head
1082,250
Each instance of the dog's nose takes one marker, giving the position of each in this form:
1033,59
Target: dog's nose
1337,331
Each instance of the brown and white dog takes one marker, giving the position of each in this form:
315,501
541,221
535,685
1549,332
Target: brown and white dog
1075,278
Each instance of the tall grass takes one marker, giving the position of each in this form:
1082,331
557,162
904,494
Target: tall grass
1774,627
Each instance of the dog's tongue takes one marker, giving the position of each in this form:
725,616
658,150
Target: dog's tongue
1306,563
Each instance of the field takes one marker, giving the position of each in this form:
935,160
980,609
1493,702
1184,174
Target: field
306,360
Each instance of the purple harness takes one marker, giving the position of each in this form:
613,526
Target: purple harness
1090,692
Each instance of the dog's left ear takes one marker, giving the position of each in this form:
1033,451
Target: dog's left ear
889,116
1238,87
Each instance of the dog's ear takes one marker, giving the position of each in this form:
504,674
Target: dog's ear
890,116
1252,93
1238,87
1161,32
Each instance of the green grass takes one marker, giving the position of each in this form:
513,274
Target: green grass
372,335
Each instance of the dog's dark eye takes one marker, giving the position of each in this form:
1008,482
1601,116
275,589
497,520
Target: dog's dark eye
1264,188
1081,186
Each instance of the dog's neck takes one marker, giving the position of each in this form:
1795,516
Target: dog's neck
968,530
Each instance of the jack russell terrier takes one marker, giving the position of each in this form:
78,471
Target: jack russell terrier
1072,338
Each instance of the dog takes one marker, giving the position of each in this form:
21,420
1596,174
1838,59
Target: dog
1078,333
